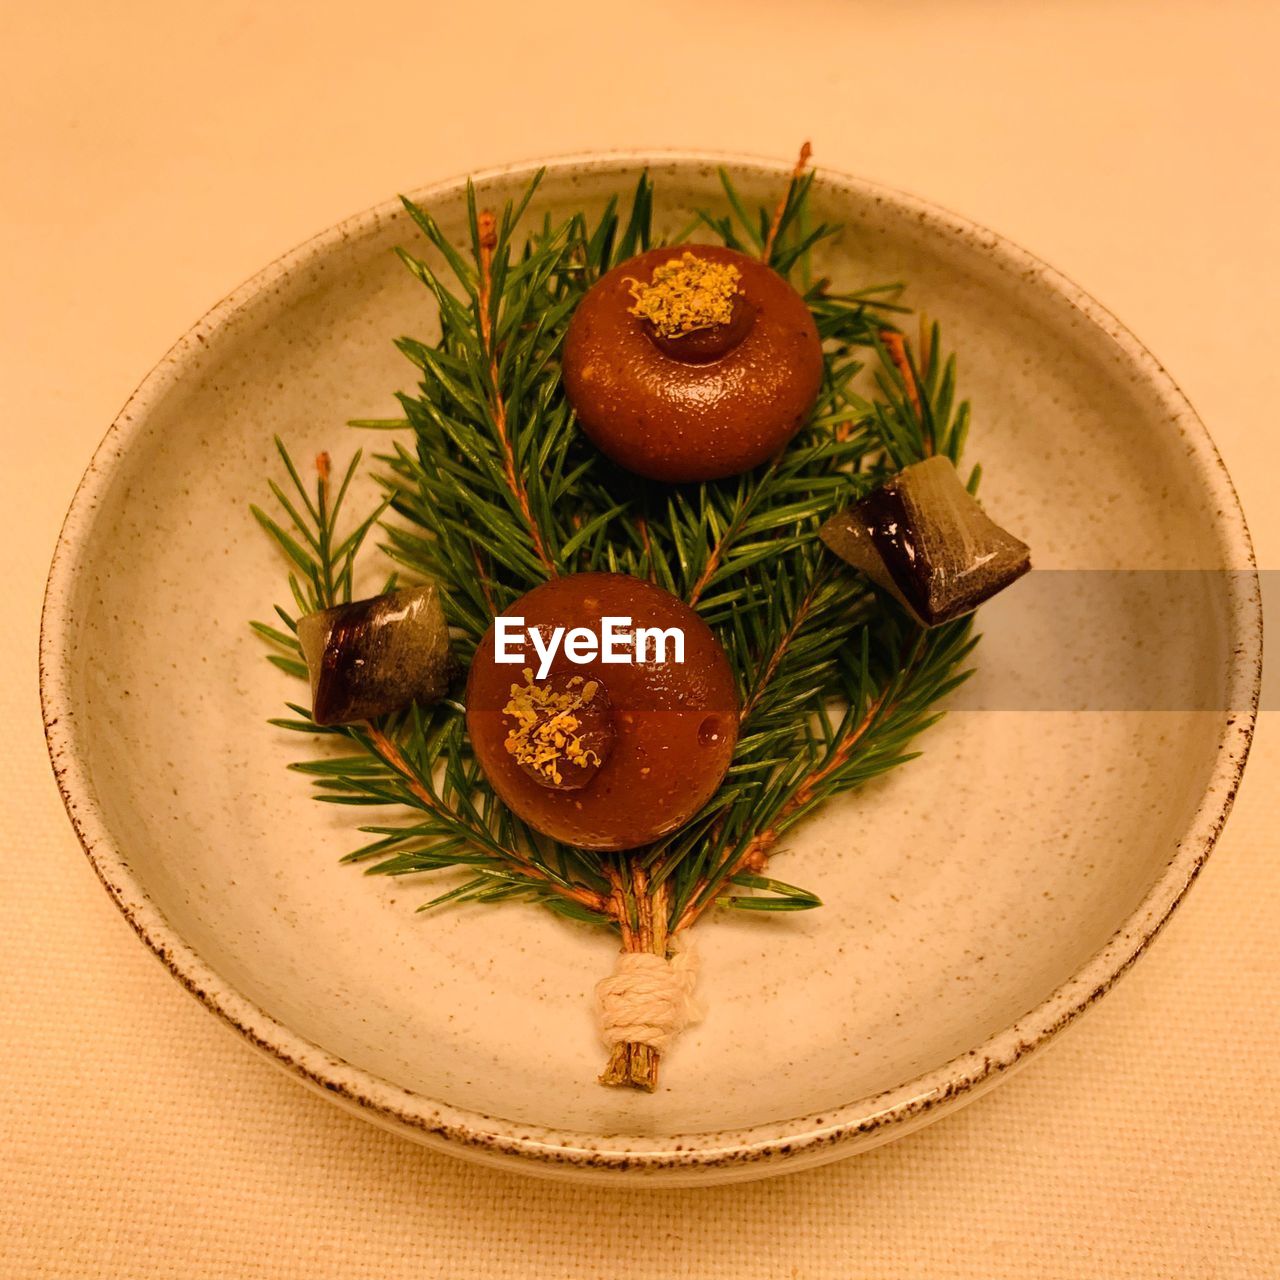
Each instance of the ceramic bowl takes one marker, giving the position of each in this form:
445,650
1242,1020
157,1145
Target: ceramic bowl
977,900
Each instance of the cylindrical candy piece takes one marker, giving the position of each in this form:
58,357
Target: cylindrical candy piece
374,656
922,537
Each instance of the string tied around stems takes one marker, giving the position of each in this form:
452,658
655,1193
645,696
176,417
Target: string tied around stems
648,999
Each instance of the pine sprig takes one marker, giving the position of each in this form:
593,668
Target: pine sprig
493,491
418,759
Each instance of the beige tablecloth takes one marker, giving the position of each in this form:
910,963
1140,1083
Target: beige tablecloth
156,154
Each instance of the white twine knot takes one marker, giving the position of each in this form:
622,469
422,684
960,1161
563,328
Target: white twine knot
648,999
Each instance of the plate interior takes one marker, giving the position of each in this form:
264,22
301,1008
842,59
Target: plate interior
959,892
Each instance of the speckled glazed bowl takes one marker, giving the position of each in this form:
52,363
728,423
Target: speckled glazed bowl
977,900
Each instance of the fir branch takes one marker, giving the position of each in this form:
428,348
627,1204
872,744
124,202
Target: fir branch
896,346
496,491
389,752
325,562
790,202
870,739
916,414
487,241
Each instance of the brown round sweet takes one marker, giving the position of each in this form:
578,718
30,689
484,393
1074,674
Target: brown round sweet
694,416
674,725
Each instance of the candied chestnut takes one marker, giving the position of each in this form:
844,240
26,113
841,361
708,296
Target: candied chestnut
922,537
692,364
638,757
374,656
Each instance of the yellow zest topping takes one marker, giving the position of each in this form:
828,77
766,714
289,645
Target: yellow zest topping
546,732
685,294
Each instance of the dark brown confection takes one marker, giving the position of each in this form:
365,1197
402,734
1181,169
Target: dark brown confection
673,725
698,402
374,656
922,537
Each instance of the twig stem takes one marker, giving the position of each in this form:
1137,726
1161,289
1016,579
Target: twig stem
716,553
775,658
896,346
775,226
632,1065
488,229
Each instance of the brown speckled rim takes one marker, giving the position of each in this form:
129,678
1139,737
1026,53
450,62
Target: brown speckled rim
696,1157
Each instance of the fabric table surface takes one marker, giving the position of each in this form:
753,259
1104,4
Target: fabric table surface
155,155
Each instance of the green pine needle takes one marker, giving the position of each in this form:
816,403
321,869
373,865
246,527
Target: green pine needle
491,488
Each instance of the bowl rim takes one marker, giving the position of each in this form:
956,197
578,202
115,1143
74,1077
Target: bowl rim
859,1123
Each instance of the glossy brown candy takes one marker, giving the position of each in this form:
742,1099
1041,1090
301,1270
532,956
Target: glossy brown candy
922,537
694,391
673,725
374,656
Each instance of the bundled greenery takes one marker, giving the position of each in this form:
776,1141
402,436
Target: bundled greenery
490,489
